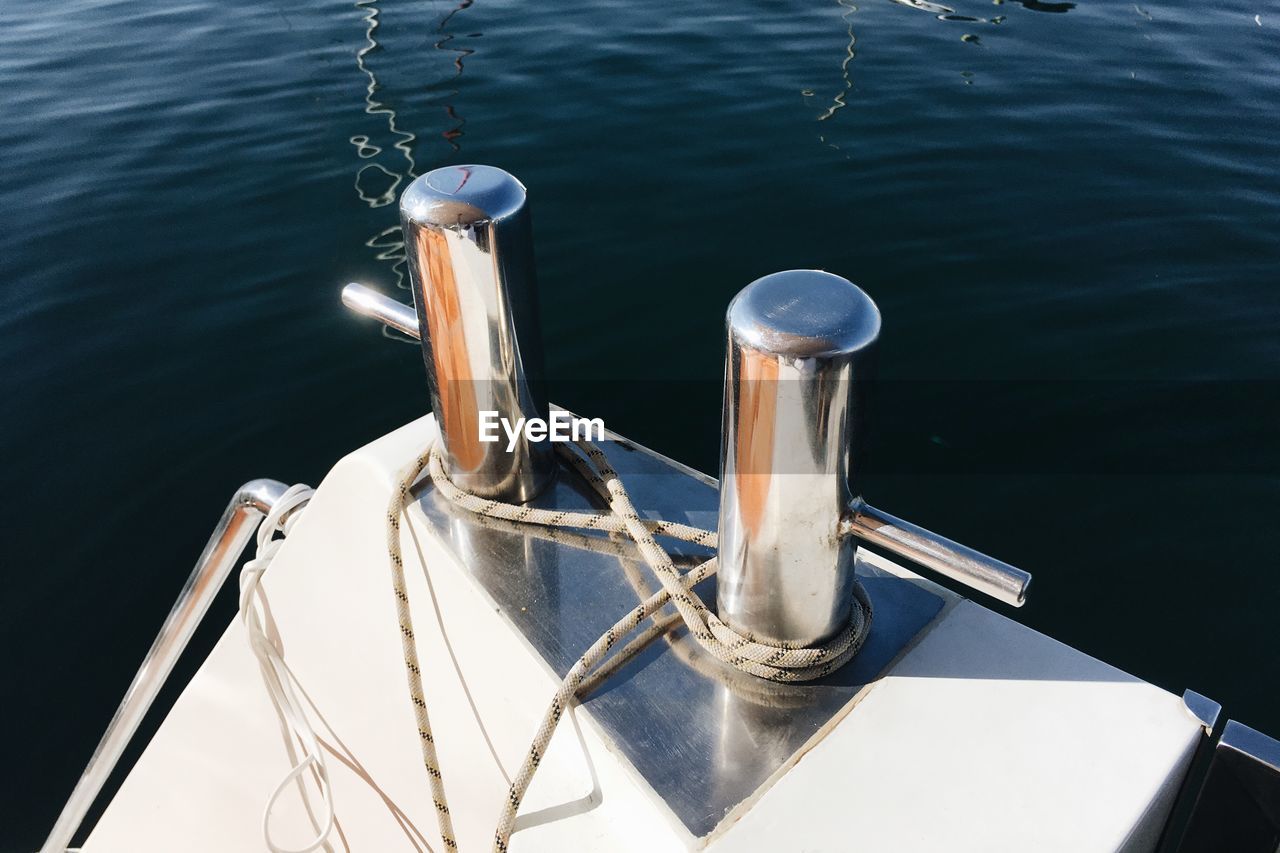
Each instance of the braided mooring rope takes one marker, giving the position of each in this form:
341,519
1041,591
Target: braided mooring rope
784,663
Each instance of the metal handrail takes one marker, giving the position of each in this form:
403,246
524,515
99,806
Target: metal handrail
248,506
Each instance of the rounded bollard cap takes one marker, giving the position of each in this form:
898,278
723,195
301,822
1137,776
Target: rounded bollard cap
804,314
459,196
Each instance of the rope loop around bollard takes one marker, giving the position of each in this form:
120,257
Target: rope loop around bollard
775,663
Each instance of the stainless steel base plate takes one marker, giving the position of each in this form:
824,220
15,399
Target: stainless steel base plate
704,735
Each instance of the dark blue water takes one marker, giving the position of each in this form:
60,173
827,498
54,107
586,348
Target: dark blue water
1067,212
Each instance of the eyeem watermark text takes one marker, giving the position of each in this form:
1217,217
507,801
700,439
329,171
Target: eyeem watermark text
561,427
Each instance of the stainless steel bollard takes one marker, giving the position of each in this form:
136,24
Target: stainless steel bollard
801,351
469,243
799,345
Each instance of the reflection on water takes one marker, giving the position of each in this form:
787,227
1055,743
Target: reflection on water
838,103
942,13
381,190
926,6
377,183
454,132
1036,6
946,13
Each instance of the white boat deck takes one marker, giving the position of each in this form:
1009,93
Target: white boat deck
983,736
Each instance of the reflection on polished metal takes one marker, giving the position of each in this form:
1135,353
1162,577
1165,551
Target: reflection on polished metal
800,344
248,506
1237,807
469,243
800,357
370,303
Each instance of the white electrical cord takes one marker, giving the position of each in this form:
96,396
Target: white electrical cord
280,683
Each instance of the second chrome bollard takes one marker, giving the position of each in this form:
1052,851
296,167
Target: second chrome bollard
800,346
801,356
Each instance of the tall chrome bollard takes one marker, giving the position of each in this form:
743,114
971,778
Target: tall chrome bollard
801,352
469,244
799,345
